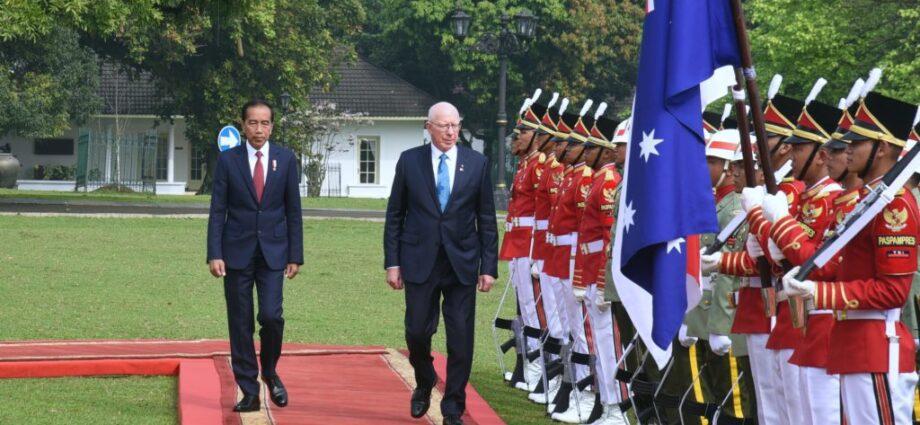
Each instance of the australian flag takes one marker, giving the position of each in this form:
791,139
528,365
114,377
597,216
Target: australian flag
667,199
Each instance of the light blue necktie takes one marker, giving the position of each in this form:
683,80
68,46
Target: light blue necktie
443,182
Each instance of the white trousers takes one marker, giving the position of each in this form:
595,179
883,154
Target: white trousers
550,306
523,288
870,399
578,324
603,330
790,385
820,396
767,383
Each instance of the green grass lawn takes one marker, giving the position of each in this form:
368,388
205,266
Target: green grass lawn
349,203
82,278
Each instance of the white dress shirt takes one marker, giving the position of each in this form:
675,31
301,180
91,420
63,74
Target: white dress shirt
252,159
451,163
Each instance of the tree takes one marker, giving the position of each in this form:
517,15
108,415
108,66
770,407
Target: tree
840,40
316,133
582,49
51,82
258,50
209,56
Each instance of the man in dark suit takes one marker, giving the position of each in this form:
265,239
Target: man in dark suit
440,240
255,235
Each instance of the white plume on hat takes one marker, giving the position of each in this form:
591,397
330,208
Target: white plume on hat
600,110
775,83
874,76
553,100
815,90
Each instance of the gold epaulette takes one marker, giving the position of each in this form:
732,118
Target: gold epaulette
587,172
609,176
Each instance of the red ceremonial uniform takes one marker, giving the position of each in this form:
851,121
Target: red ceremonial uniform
874,276
563,221
799,238
519,223
594,230
549,176
750,314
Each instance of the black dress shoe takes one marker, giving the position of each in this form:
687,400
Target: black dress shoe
276,390
421,401
452,420
249,403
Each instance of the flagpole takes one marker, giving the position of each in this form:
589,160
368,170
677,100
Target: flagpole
750,79
764,270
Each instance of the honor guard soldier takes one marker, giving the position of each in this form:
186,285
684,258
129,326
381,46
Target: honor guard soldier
727,358
691,349
590,260
870,348
518,238
548,182
796,238
772,391
563,233
623,329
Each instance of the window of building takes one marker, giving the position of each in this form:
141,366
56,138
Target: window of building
368,160
162,156
53,146
198,158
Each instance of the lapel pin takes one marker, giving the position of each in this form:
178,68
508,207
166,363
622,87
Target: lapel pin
461,168
274,165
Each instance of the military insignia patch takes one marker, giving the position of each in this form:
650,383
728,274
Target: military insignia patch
897,253
895,220
810,213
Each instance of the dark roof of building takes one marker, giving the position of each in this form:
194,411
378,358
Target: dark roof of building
365,87
362,87
126,93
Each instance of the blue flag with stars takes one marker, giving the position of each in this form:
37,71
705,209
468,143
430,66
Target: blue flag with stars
667,198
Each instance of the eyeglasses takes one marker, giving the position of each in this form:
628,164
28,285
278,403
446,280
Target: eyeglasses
445,126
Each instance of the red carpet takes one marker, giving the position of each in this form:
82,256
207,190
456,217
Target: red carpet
326,384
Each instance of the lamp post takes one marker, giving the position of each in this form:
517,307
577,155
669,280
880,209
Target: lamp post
503,43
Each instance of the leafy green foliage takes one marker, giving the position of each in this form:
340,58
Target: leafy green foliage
582,49
46,84
840,40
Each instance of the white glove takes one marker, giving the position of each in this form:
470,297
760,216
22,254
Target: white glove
710,263
775,252
602,304
752,197
685,339
720,344
795,287
579,294
753,247
775,207
534,270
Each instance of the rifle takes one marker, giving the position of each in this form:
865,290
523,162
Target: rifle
865,212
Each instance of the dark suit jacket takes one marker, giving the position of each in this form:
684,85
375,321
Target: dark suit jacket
416,228
237,223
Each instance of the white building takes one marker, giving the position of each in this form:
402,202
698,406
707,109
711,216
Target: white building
365,167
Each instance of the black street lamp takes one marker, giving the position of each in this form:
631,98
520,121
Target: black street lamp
504,43
285,104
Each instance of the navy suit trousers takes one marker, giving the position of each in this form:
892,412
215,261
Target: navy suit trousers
238,285
423,302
